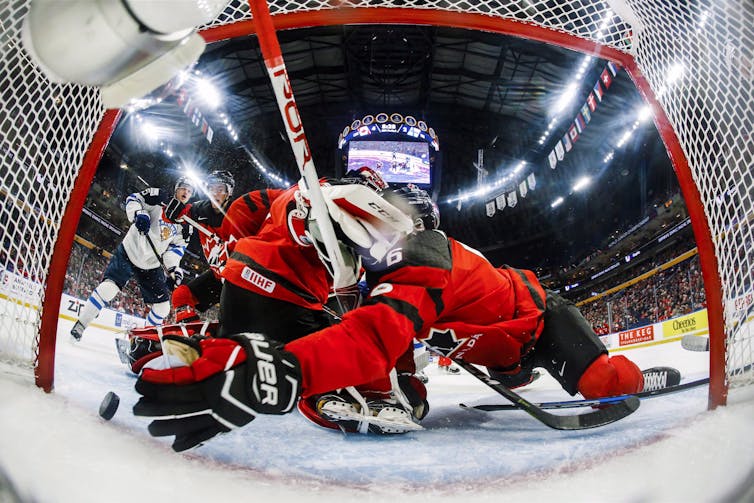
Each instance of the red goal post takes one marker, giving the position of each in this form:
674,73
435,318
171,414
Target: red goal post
53,136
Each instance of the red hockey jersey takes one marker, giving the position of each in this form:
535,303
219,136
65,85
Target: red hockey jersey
244,217
440,292
278,261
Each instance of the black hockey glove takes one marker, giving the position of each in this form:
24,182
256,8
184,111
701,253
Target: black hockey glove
142,221
196,398
174,210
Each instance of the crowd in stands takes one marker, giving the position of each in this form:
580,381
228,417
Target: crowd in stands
672,292
85,269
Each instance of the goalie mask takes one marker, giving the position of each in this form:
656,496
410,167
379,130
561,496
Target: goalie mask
366,176
363,221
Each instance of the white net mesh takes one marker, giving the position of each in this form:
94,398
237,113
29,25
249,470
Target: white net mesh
705,45
45,129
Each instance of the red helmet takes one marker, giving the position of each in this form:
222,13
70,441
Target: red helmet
366,176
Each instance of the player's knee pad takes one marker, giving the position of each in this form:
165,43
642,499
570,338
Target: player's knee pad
608,376
106,291
158,313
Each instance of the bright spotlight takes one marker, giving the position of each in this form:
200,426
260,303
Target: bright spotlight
208,92
149,130
581,183
566,99
645,113
556,202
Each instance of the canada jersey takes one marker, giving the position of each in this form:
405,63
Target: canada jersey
440,292
277,264
244,217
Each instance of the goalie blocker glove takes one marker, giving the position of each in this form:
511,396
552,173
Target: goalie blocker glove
212,386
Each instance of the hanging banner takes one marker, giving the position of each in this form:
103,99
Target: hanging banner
552,159
586,114
512,199
583,116
490,208
591,102
559,152
532,181
567,142
522,188
580,124
500,202
606,78
573,134
597,92
195,115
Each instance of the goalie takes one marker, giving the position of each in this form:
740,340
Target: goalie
426,286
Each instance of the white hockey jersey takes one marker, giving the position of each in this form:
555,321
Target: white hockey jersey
167,237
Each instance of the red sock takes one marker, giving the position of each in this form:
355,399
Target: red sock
616,375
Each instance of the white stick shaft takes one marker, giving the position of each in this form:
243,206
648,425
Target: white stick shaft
196,225
273,60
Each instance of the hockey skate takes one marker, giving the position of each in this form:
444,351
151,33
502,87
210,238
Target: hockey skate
77,332
378,412
340,411
660,377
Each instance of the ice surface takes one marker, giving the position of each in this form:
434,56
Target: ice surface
57,449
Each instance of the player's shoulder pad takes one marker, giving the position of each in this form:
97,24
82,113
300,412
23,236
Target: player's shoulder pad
154,196
425,249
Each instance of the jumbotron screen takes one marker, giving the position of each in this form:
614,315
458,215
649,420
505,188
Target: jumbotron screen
396,161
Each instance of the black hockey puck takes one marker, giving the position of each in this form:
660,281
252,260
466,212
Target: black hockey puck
109,405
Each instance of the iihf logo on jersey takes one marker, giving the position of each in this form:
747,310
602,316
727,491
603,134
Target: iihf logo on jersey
444,341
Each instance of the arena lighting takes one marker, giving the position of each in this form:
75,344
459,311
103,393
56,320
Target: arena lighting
557,202
486,189
645,113
148,130
567,98
581,183
208,93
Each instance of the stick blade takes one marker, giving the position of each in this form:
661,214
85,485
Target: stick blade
695,343
599,417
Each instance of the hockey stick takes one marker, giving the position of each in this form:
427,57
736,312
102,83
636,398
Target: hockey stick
608,414
157,255
571,404
273,59
698,343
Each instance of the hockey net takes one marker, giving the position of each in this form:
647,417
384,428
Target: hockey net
53,134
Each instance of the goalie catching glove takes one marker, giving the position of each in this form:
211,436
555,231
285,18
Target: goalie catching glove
213,386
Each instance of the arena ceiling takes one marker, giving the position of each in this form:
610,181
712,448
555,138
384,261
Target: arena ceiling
477,90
